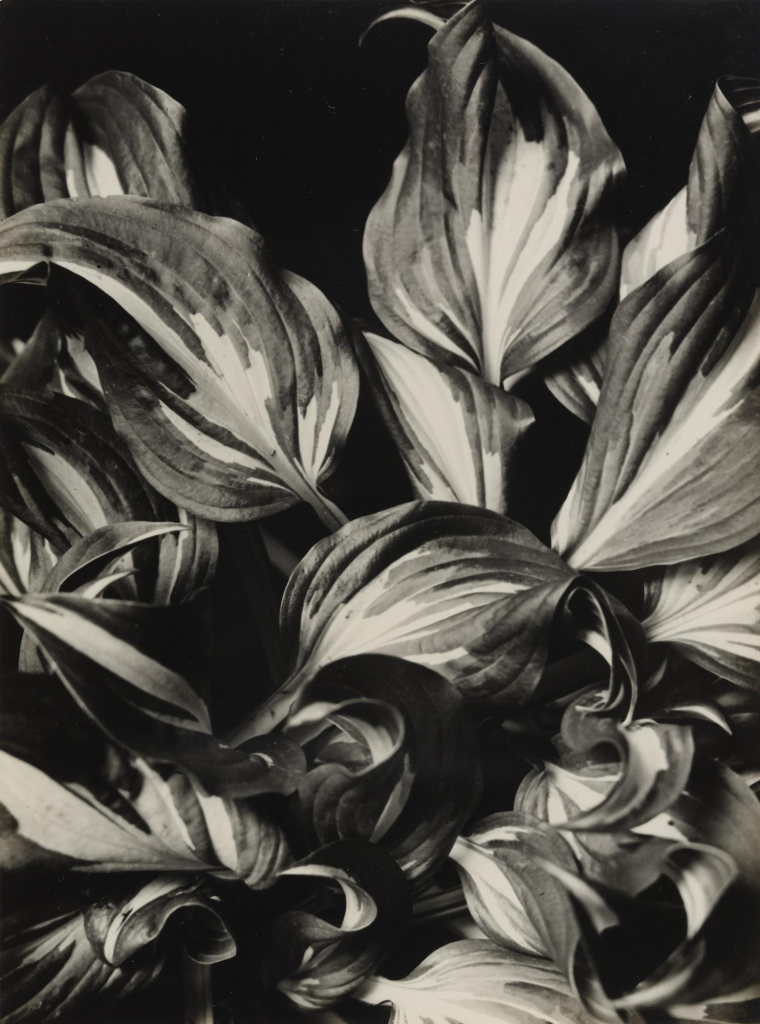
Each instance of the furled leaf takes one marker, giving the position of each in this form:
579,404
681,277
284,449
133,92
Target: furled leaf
238,399
393,759
58,959
72,800
518,877
114,658
709,609
478,982
89,482
317,963
456,433
676,419
114,135
459,589
494,242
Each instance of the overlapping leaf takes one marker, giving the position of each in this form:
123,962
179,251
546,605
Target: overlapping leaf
114,135
478,982
459,589
709,609
115,658
494,241
73,800
237,400
317,963
55,960
456,433
393,760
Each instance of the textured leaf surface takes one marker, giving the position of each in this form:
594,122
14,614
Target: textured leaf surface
709,609
478,982
238,398
456,433
494,243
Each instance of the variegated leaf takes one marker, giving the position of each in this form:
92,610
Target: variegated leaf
59,959
72,800
457,433
114,135
393,759
721,180
709,609
238,399
477,982
670,471
494,242
114,658
90,483
317,963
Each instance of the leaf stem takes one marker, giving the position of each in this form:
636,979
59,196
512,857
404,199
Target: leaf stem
198,1003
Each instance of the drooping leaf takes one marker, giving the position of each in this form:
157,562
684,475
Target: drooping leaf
459,589
237,400
113,657
676,419
494,242
709,610
316,963
406,780
478,982
456,433
56,959
114,135
73,800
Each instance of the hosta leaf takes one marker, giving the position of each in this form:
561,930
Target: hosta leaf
709,609
477,982
676,414
71,799
113,658
114,135
26,558
460,589
494,243
515,873
89,483
412,787
240,401
456,433
575,373
59,958
317,963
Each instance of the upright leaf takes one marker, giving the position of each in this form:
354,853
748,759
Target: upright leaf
456,433
494,242
237,400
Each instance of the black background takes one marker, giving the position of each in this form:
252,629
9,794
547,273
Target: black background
305,126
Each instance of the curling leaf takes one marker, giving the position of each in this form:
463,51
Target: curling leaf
494,243
238,399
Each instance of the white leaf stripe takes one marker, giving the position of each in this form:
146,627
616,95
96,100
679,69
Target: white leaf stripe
456,433
264,359
497,217
710,610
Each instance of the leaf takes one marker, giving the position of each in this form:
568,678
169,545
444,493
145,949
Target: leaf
407,774
237,401
477,982
70,799
709,610
54,958
518,877
89,482
316,963
494,242
456,433
113,656
114,135
25,557
675,416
